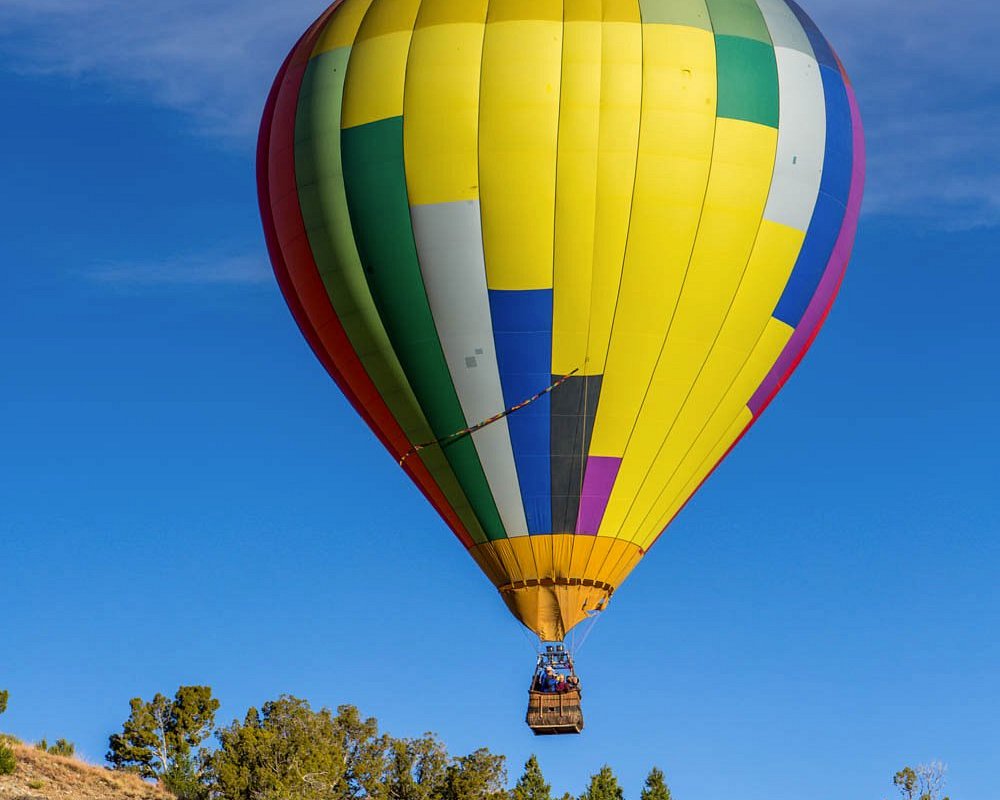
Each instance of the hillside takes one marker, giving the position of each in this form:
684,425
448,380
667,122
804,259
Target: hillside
41,776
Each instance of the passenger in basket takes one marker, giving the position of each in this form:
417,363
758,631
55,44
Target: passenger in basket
573,682
561,685
546,680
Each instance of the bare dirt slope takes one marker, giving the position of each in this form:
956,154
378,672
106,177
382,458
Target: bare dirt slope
41,776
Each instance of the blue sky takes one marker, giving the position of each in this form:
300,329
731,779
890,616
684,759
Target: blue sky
186,497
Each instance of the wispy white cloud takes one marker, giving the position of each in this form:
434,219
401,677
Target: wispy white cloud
938,166
925,73
198,270
929,89
211,59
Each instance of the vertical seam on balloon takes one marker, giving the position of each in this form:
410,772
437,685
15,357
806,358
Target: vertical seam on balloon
462,478
350,58
446,464
583,366
708,421
479,127
792,18
479,191
815,37
508,447
680,292
583,461
794,365
416,252
521,492
805,33
304,235
753,419
332,294
284,278
593,266
817,208
517,491
586,352
343,111
795,16
628,231
482,236
715,339
856,154
800,356
635,173
701,464
677,301
552,301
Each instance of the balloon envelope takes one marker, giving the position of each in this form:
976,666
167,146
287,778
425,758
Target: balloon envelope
466,200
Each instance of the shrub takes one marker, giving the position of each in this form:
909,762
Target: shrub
184,782
62,747
7,761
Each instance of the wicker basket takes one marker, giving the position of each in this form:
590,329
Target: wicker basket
554,712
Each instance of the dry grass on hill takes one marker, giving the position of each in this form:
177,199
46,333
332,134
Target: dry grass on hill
41,776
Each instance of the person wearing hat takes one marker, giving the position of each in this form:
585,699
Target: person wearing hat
549,679
543,679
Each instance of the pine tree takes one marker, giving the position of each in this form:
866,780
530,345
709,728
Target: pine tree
415,769
531,785
481,775
656,787
284,750
603,786
161,737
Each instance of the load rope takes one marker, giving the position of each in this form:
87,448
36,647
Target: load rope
454,437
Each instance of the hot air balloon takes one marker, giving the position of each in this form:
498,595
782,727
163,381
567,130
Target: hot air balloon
560,255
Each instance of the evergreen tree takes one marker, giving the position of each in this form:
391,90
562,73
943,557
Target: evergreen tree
285,750
481,775
416,769
365,749
656,787
4,697
288,751
603,786
186,780
531,785
160,737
